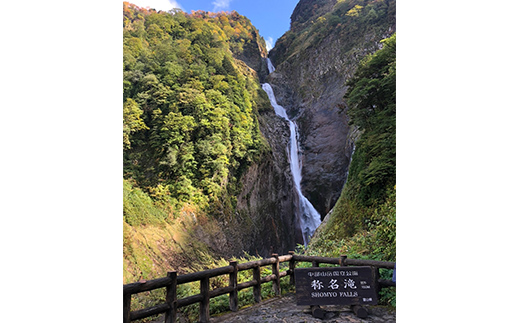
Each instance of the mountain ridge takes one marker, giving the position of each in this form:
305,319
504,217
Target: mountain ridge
313,62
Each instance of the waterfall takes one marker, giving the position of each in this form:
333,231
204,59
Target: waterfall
270,66
310,219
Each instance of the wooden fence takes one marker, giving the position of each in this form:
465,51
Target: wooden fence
171,281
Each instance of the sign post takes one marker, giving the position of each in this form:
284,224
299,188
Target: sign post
335,286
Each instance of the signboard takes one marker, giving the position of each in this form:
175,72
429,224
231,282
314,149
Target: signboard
335,286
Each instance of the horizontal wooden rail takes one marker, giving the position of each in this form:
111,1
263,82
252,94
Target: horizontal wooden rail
256,263
346,261
386,283
172,281
150,311
188,278
146,286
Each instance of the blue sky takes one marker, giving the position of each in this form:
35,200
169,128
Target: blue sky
270,17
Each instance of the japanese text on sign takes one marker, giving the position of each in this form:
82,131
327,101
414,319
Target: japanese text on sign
333,273
335,285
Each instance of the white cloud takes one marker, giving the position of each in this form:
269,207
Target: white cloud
220,4
164,5
269,43
175,4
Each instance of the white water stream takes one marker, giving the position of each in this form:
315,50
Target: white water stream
270,66
310,219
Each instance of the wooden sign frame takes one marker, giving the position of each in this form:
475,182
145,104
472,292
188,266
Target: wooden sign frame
336,286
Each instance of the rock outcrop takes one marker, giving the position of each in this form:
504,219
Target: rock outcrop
267,200
313,61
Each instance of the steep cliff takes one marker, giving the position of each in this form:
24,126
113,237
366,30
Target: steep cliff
264,220
266,203
313,60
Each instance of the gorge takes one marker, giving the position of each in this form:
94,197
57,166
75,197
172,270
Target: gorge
216,166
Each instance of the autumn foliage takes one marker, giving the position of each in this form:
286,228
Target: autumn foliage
190,109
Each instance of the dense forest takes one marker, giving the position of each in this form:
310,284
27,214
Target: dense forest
189,115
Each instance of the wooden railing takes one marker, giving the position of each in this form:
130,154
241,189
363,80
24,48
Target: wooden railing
171,281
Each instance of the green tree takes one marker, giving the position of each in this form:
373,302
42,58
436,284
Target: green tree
132,121
371,104
370,98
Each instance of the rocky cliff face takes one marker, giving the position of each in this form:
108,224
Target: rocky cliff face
267,200
265,220
253,54
306,10
313,61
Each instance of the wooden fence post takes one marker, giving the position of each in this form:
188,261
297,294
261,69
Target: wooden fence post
204,304
257,289
342,260
292,266
171,298
276,271
315,263
233,282
375,274
127,299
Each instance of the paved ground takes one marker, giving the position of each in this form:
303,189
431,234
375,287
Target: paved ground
285,310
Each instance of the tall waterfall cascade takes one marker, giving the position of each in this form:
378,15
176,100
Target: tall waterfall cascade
270,66
310,219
